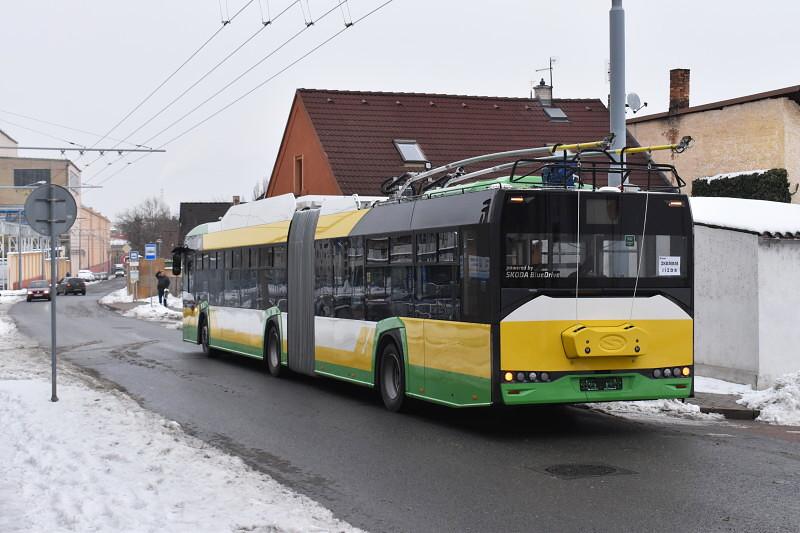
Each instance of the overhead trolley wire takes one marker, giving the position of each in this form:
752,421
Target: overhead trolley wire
260,85
226,86
174,72
204,76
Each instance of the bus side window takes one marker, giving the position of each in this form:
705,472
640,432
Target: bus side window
438,293
323,278
355,277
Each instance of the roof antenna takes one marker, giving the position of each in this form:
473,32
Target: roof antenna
553,61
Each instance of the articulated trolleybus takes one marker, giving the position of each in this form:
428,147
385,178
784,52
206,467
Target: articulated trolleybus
530,286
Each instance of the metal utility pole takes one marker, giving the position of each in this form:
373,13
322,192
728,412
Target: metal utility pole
19,249
616,102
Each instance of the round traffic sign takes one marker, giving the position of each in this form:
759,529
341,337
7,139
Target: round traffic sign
50,210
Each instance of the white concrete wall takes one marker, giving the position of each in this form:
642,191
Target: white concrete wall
726,304
778,309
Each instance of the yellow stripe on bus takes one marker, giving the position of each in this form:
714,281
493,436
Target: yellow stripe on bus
537,346
360,357
338,224
276,232
459,347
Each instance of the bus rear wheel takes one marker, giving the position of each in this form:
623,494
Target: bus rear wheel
272,353
392,379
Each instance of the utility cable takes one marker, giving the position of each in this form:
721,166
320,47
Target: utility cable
60,139
56,124
260,85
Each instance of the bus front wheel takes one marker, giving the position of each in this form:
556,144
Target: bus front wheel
204,338
392,380
273,353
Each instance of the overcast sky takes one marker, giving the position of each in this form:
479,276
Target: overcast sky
87,63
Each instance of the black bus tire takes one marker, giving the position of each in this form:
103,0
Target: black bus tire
392,378
205,335
272,352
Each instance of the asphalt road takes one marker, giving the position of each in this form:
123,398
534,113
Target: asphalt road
437,469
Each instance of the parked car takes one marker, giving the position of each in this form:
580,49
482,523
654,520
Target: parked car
86,275
39,290
119,273
101,275
71,286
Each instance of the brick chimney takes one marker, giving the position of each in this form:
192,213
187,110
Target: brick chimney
678,89
543,93
236,200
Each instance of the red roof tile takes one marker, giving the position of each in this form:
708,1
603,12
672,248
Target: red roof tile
357,128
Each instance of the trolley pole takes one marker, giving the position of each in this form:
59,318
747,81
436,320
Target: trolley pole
616,102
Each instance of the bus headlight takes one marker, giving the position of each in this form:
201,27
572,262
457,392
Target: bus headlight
532,376
667,372
657,373
520,376
545,376
676,372
686,371
509,376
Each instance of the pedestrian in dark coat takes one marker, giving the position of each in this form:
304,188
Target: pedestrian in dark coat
163,285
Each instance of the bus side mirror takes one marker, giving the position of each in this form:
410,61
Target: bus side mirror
176,264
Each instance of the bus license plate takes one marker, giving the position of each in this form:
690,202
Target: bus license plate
601,384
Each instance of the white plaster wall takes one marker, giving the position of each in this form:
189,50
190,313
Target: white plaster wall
726,304
778,309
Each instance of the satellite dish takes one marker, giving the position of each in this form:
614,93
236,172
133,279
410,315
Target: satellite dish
633,101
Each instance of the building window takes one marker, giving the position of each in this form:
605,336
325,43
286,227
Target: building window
410,151
556,114
298,174
30,176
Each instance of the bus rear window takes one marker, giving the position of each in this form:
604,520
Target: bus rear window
544,247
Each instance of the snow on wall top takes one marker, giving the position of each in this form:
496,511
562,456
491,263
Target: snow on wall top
734,174
759,216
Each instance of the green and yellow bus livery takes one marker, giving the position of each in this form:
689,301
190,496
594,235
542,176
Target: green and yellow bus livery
507,291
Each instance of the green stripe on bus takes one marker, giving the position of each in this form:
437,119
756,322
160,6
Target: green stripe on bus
452,388
236,347
567,390
355,375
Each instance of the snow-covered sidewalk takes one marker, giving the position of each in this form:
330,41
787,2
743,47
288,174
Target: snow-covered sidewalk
779,404
97,461
147,309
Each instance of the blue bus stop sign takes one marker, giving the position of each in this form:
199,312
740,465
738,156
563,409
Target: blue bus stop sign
150,251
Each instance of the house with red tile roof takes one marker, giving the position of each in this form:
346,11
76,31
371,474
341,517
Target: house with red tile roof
349,142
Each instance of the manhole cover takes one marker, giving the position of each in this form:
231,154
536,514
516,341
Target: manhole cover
576,471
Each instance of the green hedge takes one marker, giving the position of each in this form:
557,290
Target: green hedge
770,185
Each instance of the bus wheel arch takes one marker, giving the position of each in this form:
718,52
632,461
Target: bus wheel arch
390,374
272,349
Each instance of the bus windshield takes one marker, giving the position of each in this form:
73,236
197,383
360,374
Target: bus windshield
545,246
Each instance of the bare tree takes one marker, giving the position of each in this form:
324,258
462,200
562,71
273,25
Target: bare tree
259,189
147,222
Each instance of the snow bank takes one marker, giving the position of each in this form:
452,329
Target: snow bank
749,215
660,409
153,312
718,386
116,297
97,461
779,404
10,297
